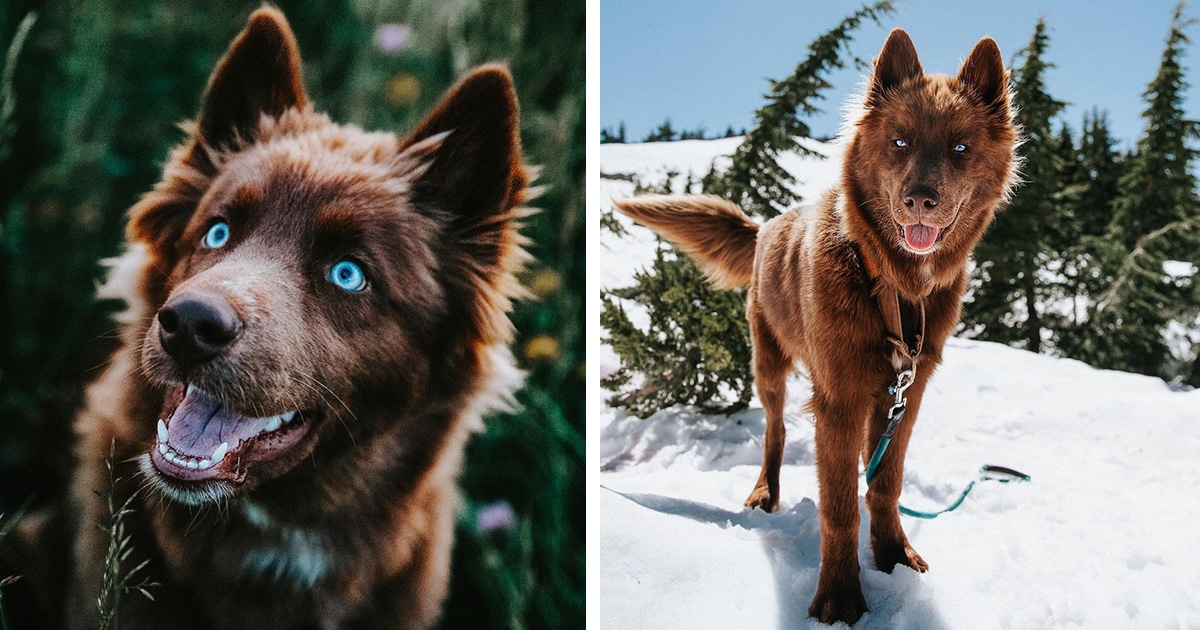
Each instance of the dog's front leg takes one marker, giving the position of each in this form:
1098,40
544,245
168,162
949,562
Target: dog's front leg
839,433
888,541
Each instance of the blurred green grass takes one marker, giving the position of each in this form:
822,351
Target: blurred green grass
99,88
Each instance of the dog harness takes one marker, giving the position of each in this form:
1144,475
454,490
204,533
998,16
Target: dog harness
907,336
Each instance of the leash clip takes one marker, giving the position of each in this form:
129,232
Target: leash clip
904,380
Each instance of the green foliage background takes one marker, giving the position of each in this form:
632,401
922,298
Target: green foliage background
99,87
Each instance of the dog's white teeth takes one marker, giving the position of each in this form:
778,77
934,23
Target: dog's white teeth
219,453
287,417
162,447
273,424
190,388
193,464
205,464
163,436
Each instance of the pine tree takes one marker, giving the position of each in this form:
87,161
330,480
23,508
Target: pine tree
755,181
608,136
1091,188
1156,218
1099,169
1158,185
663,133
1008,296
696,349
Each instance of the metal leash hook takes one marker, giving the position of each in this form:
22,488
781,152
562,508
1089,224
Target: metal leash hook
904,380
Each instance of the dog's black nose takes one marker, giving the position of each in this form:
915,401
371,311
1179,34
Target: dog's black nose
920,198
195,327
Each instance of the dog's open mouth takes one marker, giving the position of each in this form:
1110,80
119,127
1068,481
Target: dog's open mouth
921,237
203,439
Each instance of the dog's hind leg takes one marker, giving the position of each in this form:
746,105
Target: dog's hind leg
771,368
888,541
840,416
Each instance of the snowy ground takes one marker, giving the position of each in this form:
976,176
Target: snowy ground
1103,537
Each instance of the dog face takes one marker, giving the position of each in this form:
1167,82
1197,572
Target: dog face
932,154
317,280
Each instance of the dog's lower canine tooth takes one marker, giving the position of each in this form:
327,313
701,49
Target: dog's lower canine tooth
163,436
219,453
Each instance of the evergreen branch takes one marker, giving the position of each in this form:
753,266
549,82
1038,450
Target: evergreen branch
754,180
1129,266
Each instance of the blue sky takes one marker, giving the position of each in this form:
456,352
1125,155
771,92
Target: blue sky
706,63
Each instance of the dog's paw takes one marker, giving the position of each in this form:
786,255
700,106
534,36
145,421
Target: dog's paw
761,498
838,604
888,556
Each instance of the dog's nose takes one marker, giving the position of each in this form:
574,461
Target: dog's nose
195,327
920,199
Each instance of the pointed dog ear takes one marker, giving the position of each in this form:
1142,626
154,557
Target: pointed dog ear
984,74
259,74
472,150
896,63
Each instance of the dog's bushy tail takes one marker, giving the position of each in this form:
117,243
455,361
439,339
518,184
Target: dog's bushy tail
713,231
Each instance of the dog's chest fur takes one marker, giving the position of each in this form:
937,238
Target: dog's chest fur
287,555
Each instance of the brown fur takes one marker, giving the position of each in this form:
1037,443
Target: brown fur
353,525
816,273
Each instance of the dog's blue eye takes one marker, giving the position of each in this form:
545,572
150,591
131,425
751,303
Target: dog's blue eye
901,144
960,148
217,235
348,276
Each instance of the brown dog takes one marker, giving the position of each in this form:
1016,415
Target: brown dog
842,286
317,320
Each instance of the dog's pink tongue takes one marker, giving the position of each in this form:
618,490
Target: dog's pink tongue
200,424
920,237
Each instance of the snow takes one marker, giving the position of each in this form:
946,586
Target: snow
1103,536
1178,269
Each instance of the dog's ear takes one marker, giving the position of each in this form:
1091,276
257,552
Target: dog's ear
259,74
896,63
984,75
471,149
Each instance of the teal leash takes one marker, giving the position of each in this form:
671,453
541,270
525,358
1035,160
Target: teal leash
986,473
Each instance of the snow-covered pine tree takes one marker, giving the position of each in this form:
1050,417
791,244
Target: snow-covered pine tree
696,349
1008,291
1156,218
754,180
1091,188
